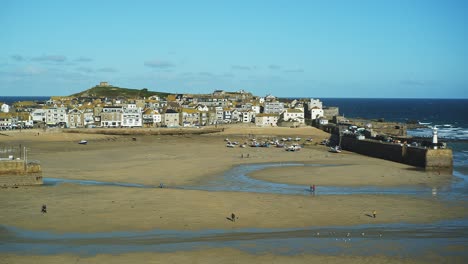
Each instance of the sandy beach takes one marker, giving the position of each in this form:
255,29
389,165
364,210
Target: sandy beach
190,160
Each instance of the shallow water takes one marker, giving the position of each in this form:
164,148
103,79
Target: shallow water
404,240
236,180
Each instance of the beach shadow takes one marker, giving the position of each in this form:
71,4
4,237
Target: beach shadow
371,216
415,169
230,219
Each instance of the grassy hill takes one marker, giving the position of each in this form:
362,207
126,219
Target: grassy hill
113,91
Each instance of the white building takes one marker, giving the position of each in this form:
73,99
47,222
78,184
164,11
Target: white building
248,116
295,115
256,109
236,115
219,114
5,108
273,108
56,116
266,120
315,103
202,108
227,115
88,117
131,116
38,115
316,113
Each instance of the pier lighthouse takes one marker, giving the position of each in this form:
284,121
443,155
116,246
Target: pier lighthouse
434,137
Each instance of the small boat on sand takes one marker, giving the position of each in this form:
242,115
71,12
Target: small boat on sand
83,142
335,149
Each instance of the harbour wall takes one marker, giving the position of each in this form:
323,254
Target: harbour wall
145,131
430,159
18,173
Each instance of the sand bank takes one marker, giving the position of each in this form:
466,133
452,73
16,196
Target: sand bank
222,255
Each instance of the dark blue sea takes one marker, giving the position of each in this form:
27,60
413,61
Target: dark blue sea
11,99
441,112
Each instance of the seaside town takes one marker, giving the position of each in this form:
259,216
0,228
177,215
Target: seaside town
174,110
107,106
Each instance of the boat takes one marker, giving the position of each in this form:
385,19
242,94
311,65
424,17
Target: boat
335,149
83,142
293,147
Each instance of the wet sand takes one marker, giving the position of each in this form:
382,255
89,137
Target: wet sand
355,172
188,160
223,255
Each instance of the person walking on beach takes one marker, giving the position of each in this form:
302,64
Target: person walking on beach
312,188
233,217
44,209
374,213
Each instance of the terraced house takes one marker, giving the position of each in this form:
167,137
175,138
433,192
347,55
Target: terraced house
56,116
190,117
132,116
111,116
151,118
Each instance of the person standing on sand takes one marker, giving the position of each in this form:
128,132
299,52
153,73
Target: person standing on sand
374,213
233,217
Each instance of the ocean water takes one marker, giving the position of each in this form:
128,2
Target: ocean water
11,99
439,112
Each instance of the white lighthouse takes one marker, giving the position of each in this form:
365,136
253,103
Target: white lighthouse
434,137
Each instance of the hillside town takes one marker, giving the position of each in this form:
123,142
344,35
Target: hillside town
175,110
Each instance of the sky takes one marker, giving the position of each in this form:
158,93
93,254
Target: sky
291,48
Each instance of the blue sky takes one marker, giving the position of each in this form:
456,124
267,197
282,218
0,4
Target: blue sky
389,49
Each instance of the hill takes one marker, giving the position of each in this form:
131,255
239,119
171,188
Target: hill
114,91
